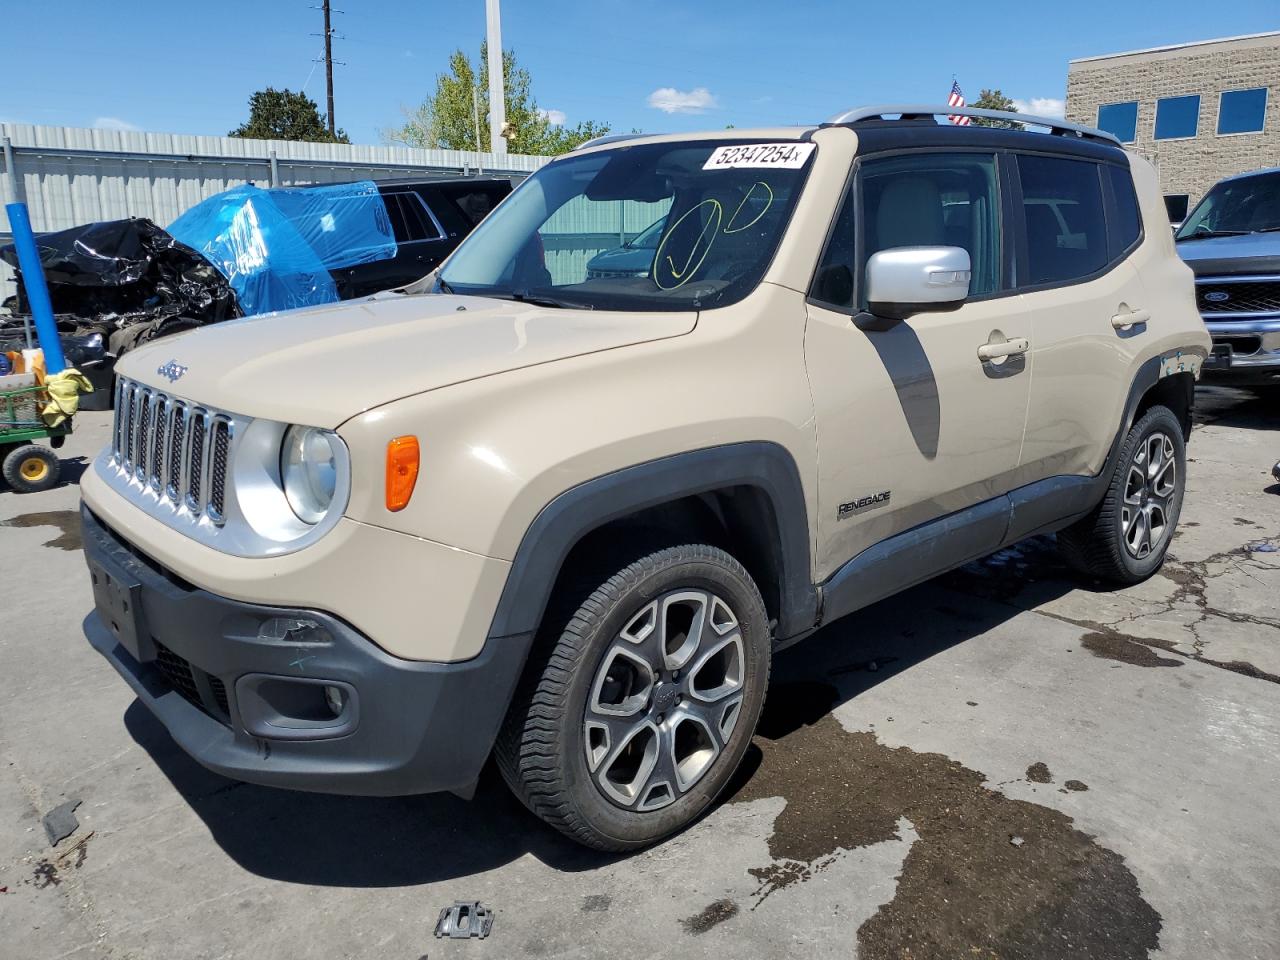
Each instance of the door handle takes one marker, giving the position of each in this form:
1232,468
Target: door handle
1130,319
1009,348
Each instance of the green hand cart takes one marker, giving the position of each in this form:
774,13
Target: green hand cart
27,466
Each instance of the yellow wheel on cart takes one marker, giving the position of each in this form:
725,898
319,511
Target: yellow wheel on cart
31,468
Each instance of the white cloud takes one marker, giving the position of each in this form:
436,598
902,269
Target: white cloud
671,100
114,123
1042,107
554,117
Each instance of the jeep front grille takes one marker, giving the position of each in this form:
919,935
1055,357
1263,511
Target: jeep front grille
178,450
1224,297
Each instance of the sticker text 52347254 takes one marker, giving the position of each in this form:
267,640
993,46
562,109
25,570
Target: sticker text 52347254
778,156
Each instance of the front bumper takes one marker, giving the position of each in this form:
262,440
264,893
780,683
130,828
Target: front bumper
1253,357
407,726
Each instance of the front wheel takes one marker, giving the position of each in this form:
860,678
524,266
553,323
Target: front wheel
1125,538
647,702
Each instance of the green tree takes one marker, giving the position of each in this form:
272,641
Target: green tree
455,117
995,100
285,115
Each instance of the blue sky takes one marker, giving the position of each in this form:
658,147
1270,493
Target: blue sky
650,64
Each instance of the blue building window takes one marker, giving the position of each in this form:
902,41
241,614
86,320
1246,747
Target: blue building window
1120,120
1242,111
1177,118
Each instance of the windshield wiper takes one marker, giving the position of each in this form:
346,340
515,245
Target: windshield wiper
443,285
1208,234
524,296
1274,229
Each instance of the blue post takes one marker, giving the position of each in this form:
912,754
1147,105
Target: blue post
37,291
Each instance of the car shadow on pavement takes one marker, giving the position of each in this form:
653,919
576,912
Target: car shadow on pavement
387,842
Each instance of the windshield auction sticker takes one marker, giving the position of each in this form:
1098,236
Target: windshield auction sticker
777,156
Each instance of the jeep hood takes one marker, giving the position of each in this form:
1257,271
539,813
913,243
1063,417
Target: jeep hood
1249,253
325,365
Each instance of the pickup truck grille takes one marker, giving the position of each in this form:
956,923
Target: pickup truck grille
176,449
1226,297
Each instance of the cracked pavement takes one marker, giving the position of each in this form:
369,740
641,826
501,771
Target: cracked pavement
1004,762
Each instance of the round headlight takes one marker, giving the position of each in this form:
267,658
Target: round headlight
308,472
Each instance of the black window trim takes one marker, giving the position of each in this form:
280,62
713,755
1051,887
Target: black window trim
1006,287
1108,216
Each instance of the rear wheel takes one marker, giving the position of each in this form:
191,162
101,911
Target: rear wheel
1126,536
31,468
647,701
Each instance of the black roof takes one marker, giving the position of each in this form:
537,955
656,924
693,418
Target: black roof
422,181
877,135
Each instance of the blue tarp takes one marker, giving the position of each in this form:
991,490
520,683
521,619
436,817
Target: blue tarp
276,247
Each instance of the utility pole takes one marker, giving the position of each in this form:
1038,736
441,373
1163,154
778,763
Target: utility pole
329,62
497,89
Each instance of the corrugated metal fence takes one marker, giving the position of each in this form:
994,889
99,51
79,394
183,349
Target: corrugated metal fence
70,175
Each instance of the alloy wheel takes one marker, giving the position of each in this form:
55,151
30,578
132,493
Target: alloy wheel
1148,496
664,700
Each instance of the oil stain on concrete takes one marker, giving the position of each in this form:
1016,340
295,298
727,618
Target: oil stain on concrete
988,875
66,521
710,916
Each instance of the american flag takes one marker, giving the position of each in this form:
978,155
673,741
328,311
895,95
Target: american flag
956,100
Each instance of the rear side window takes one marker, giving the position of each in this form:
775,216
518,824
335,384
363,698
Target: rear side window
409,219
1066,229
1126,224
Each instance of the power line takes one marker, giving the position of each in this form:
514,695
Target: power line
329,34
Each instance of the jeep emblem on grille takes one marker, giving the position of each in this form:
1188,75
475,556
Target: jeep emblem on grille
1217,296
173,370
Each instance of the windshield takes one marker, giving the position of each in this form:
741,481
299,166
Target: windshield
1246,205
720,210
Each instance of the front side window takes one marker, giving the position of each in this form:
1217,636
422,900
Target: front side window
409,219
1063,212
1120,120
935,200
1244,205
722,213
1177,118
1242,111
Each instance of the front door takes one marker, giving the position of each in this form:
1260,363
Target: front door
912,424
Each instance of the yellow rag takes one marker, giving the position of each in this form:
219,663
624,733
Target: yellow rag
64,395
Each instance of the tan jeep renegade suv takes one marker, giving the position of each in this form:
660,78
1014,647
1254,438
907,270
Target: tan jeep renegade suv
565,519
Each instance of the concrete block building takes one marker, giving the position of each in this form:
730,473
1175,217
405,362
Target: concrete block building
1199,111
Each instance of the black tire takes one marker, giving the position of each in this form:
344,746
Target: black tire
31,468
542,750
1096,545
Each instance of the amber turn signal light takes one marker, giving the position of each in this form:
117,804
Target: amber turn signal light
402,471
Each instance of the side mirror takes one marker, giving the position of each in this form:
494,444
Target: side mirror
903,281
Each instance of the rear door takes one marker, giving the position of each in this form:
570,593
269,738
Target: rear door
912,424
1077,223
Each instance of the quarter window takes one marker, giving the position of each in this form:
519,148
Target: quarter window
1177,118
1065,226
1126,224
1120,120
1242,111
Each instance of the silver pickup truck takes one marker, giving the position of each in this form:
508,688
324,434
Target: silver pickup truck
1231,241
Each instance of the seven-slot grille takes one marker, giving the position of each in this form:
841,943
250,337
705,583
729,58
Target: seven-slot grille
179,450
1227,296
